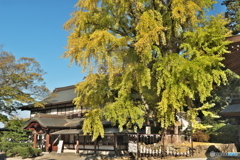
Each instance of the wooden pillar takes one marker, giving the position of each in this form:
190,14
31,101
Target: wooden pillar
47,144
95,147
163,146
138,153
84,141
115,144
34,139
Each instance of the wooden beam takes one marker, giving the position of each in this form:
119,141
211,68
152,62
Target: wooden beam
115,144
95,147
235,38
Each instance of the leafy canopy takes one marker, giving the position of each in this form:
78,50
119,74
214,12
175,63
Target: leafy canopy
16,133
233,15
21,82
146,59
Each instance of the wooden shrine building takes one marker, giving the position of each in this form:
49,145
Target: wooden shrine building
60,120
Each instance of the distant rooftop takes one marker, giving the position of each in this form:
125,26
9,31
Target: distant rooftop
55,121
233,109
61,95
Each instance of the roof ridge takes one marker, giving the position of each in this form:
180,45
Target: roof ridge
55,116
64,88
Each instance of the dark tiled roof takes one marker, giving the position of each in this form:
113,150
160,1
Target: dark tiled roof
63,94
55,121
68,131
74,122
231,110
50,116
79,131
4,129
50,122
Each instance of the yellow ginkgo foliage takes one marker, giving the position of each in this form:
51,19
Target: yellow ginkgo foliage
146,59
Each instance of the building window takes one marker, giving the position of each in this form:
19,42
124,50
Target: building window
61,111
53,111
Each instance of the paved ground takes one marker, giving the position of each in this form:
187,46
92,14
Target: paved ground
55,156
72,156
67,156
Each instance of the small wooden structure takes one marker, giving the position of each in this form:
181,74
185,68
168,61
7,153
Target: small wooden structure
42,125
232,59
48,130
233,111
61,120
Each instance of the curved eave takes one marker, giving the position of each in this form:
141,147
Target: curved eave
230,114
34,121
30,107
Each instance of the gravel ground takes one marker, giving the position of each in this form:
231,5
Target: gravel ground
73,156
69,156
53,156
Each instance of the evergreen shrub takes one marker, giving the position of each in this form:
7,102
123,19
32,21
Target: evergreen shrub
19,149
223,133
5,146
24,152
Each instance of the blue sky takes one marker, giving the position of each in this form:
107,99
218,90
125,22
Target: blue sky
34,28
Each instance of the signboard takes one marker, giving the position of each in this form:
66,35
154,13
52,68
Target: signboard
60,145
148,130
132,147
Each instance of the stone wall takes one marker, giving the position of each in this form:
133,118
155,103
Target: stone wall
206,149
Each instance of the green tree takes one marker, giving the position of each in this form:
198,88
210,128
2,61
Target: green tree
231,89
21,82
16,133
233,15
223,93
146,59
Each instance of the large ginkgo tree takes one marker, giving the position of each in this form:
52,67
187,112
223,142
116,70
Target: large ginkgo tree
147,60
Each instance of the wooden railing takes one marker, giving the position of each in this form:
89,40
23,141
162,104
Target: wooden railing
159,145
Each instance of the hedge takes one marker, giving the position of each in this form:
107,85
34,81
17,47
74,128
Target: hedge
24,152
5,146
